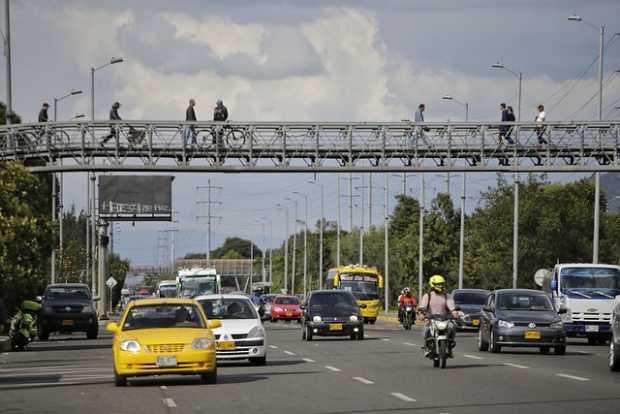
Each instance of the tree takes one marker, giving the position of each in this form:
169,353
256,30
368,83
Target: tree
231,244
15,118
26,233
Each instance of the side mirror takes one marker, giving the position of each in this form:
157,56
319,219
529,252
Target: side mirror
563,309
302,307
112,327
214,323
487,308
553,285
362,306
39,298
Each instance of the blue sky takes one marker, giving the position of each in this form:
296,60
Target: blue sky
297,61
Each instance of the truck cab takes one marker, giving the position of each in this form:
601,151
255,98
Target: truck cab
197,281
587,291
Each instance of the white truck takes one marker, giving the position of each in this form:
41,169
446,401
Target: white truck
198,281
588,292
167,289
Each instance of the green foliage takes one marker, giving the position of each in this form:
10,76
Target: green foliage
15,118
117,268
26,233
233,248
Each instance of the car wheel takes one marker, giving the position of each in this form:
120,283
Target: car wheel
360,335
308,334
298,320
614,356
43,333
496,349
544,350
303,333
372,321
119,380
210,378
259,361
483,345
559,350
92,332
436,363
274,320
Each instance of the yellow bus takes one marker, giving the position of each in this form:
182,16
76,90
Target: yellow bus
363,282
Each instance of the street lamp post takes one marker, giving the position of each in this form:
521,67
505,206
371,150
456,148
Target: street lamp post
462,232
597,183
305,221
7,53
112,61
519,76
286,220
321,225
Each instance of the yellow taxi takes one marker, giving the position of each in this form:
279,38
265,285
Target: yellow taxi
164,336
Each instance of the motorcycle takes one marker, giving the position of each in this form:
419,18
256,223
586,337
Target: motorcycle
407,317
438,343
24,325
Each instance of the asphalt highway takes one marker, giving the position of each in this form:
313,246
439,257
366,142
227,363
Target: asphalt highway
385,373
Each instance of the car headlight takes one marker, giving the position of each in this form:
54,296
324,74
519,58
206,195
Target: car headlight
130,346
257,332
353,318
87,309
557,325
202,343
316,319
505,324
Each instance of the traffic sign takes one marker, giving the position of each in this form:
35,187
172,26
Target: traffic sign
111,282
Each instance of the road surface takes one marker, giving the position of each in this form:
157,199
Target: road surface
386,373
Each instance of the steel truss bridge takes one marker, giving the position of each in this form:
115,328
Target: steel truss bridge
312,147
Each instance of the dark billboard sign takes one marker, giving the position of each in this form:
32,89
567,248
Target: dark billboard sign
135,197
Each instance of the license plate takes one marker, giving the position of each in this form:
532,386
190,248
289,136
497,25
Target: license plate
591,328
166,361
226,345
475,322
532,335
289,313
335,327
68,322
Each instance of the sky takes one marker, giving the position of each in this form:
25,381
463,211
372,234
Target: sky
304,61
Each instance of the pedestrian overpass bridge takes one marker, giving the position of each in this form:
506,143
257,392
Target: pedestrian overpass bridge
576,146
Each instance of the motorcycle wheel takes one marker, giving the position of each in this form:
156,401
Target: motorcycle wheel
18,342
443,353
436,363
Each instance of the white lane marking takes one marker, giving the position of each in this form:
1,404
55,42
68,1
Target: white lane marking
169,402
329,367
273,347
472,357
402,397
386,339
308,360
163,387
364,380
584,352
289,353
409,344
574,377
509,364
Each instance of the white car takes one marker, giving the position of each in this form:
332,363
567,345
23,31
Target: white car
242,335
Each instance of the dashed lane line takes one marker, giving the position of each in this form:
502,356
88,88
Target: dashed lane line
473,357
308,360
510,364
363,380
573,377
402,397
289,353
273,347
334,369
386,339
163,387
169,402
409,344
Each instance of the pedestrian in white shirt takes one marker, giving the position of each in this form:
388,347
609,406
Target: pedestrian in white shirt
540,129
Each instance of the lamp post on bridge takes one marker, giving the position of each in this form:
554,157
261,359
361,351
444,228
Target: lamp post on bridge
321,225
462,232
286,221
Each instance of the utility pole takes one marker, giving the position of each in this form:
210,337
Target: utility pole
462,235
294,249
386,269
338,220
286,221
7,53
89,275
321,226
515,235
361,253
370,201
209,216
351,202
93,230
421,242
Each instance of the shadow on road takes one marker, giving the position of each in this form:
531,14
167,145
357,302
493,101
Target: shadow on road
70,347
221,379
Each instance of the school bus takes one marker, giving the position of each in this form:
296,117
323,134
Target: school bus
363,282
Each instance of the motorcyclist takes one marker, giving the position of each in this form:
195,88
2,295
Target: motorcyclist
257,297
404,299
438,302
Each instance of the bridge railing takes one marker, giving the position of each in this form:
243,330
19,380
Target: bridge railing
216,143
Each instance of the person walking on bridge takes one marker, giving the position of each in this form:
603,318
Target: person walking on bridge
43,117
190,116
220,114
419,118
540,129
114,116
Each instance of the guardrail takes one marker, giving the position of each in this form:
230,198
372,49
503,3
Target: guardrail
300,146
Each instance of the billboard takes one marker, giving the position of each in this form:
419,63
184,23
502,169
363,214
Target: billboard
135,197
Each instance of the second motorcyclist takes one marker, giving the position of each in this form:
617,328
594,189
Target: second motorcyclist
404,299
